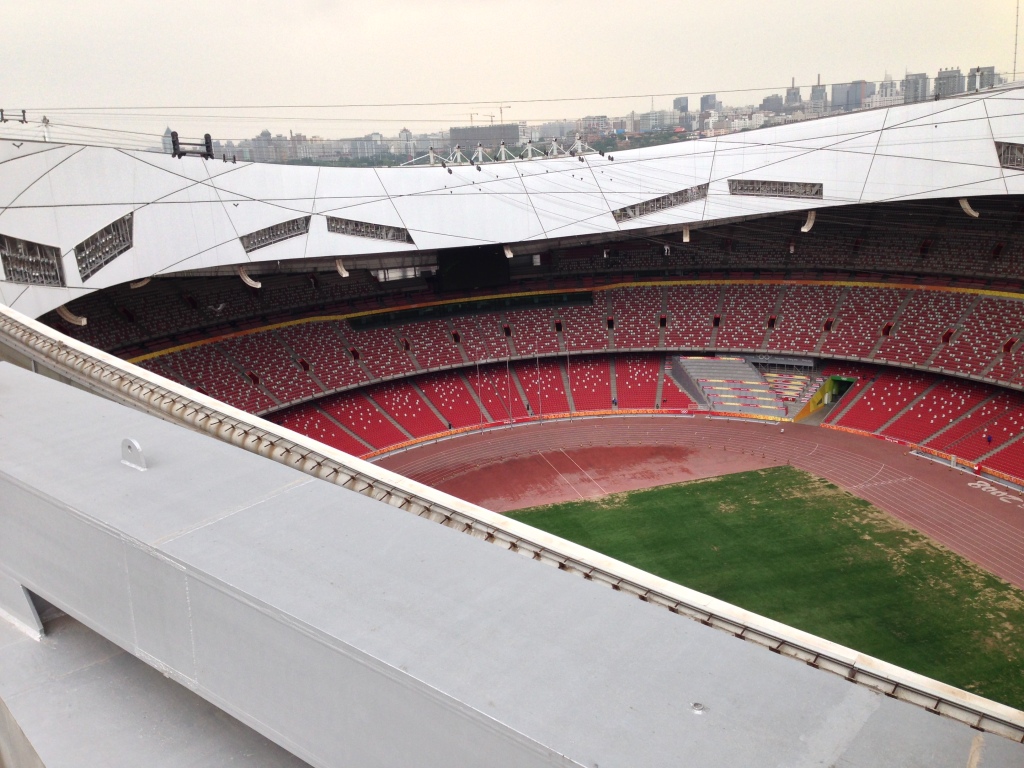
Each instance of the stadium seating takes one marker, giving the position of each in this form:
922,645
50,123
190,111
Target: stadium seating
691,312
533,331
363,418
206,368
543,385
307,419
432,343
860,320
636,380
320,345
590,383
967,436
672,395
585,328
924,320
745,313
802,316
889,393
636,312
495,388
401,401
451,396
379,351
263,354
948,401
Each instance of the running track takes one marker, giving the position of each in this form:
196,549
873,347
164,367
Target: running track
557,461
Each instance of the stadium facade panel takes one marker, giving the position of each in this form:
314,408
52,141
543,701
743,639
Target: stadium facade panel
192,214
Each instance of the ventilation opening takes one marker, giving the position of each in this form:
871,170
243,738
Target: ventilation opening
926,245
611,323
828,325
997,250
126,314
305,365
508,331
717,321
406,345
354,352
771,322
191,301
1008,346
856,245
887,328
456,337
253,378
314,281
662,322
558,326
727,245
948,335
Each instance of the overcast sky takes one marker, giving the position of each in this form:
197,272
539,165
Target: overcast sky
184,53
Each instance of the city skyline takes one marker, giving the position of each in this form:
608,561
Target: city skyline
324,53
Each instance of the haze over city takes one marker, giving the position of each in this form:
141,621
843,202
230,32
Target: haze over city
428,67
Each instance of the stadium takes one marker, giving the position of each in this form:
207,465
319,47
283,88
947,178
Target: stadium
843,297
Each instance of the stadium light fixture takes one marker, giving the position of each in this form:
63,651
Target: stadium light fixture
248,280
508,251
810,221
140,283
68,316
340,266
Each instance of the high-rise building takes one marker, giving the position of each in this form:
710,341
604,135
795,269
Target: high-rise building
166,142
948,82
981,77
915,88
708,102
793,94
681,103
818,104
851,96
772,103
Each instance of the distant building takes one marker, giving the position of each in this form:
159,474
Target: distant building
165,142
708,102
888,95
981,77
681,103
594,124
851,96
793,94
915,88
818,104
948,82
487,135
772,103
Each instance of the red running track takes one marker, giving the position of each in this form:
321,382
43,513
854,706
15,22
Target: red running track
550,462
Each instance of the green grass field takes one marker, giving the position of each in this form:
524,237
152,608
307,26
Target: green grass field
796,548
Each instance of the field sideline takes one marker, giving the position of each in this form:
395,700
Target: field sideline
794,547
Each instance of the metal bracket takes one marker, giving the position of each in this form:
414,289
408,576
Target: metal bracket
132,455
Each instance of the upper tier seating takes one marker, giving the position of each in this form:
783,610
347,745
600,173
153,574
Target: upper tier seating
745,313
860,321
320,345
207,369
691,313
585,328
432,344
636,312
497,391
926,317
263,354
533,331
379,351
802,316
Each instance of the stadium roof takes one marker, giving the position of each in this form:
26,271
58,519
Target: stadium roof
352,632
74,219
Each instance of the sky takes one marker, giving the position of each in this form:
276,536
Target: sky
371,62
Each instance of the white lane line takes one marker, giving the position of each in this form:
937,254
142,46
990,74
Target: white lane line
581,469
561,476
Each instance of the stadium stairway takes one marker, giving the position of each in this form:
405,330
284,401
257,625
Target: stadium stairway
732,385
